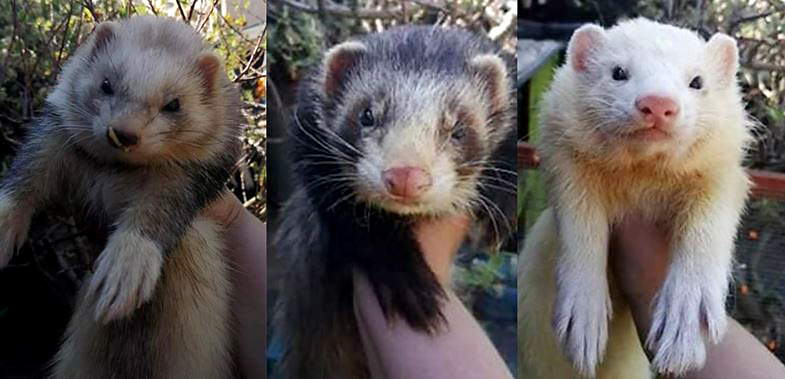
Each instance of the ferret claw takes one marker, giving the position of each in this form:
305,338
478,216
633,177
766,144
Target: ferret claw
580,321
687,314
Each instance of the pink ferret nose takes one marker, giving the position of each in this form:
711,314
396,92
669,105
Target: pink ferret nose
406,182
657,110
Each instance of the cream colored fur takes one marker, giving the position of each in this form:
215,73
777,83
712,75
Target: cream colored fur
692,183
190,335
540,355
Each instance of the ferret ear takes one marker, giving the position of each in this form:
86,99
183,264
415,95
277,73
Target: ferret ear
103,34
492,72
337,63
583,42
209,65
724,55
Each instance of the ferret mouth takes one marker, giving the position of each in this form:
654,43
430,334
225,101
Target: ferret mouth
649,133
405,206
408,201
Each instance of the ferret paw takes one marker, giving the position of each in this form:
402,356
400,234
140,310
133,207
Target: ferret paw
14,224
125,276
580,321
686,313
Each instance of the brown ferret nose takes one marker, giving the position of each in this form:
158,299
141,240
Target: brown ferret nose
408,183
121,139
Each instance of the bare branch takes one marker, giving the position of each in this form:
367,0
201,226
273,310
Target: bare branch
762,66
253,57
152,7
229,24
180,8
91,8
191,11
343,11
207,18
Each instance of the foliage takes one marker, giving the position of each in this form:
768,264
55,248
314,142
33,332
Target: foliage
301,29
483,275
38,36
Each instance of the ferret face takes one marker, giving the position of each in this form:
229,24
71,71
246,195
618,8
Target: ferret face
421,143
143,94
647,89
417,140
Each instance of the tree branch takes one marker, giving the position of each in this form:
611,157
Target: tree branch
180,8
762,66
253,57
152,7
343,11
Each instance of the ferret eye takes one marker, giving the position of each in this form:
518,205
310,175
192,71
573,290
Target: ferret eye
620,74
458,131
366,118
107,87
172,106
696,83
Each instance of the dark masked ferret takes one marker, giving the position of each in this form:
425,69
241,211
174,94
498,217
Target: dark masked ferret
644,118
141,132
395,127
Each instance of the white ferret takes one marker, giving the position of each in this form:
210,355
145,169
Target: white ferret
140,133
643,118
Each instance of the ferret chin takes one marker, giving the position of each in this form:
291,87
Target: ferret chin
644,118
410,123
141,133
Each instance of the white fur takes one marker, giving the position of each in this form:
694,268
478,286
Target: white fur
692,182
125,276
540,354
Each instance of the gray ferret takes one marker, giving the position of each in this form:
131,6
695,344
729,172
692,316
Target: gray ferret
393,128
645,119
140,133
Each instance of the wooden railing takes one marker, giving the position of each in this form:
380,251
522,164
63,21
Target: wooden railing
764,183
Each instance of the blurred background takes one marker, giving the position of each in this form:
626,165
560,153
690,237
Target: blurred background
299,31
38,288
757,298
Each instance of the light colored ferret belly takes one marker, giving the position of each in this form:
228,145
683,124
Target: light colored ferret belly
644,119
182,332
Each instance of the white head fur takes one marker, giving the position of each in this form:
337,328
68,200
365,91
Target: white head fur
602,92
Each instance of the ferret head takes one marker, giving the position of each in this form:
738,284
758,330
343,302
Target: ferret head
146,91
644,90
413,116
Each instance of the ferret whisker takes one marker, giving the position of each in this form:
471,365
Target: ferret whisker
342,140
500,188
320,142
500,180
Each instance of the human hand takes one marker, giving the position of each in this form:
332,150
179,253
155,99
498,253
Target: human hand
639,257
439,240
246,249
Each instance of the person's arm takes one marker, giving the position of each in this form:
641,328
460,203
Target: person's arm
639,258
395,350
246,242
